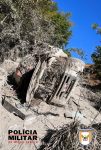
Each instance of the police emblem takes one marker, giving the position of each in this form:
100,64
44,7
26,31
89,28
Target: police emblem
85,136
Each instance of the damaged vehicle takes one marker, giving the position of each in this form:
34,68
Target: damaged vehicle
46,77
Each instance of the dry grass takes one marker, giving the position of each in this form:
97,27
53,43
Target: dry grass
66,138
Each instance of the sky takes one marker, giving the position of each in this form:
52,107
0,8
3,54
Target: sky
84,14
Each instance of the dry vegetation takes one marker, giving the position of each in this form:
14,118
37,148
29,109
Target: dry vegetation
67,138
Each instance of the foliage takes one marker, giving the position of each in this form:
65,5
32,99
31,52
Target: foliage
97,28
80,52
96,56
67,52
24,23
61,28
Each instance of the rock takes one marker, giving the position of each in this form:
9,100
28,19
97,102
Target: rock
9,66
29,119
68,114
3,76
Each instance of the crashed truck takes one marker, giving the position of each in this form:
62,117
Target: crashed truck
47,77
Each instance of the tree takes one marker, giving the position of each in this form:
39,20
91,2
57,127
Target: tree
97,28
25,23
96,56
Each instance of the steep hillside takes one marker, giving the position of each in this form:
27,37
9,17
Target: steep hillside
41,116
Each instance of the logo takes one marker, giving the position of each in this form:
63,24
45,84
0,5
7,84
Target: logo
86,136
22,136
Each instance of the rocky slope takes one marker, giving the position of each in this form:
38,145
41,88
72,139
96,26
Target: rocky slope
42,116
